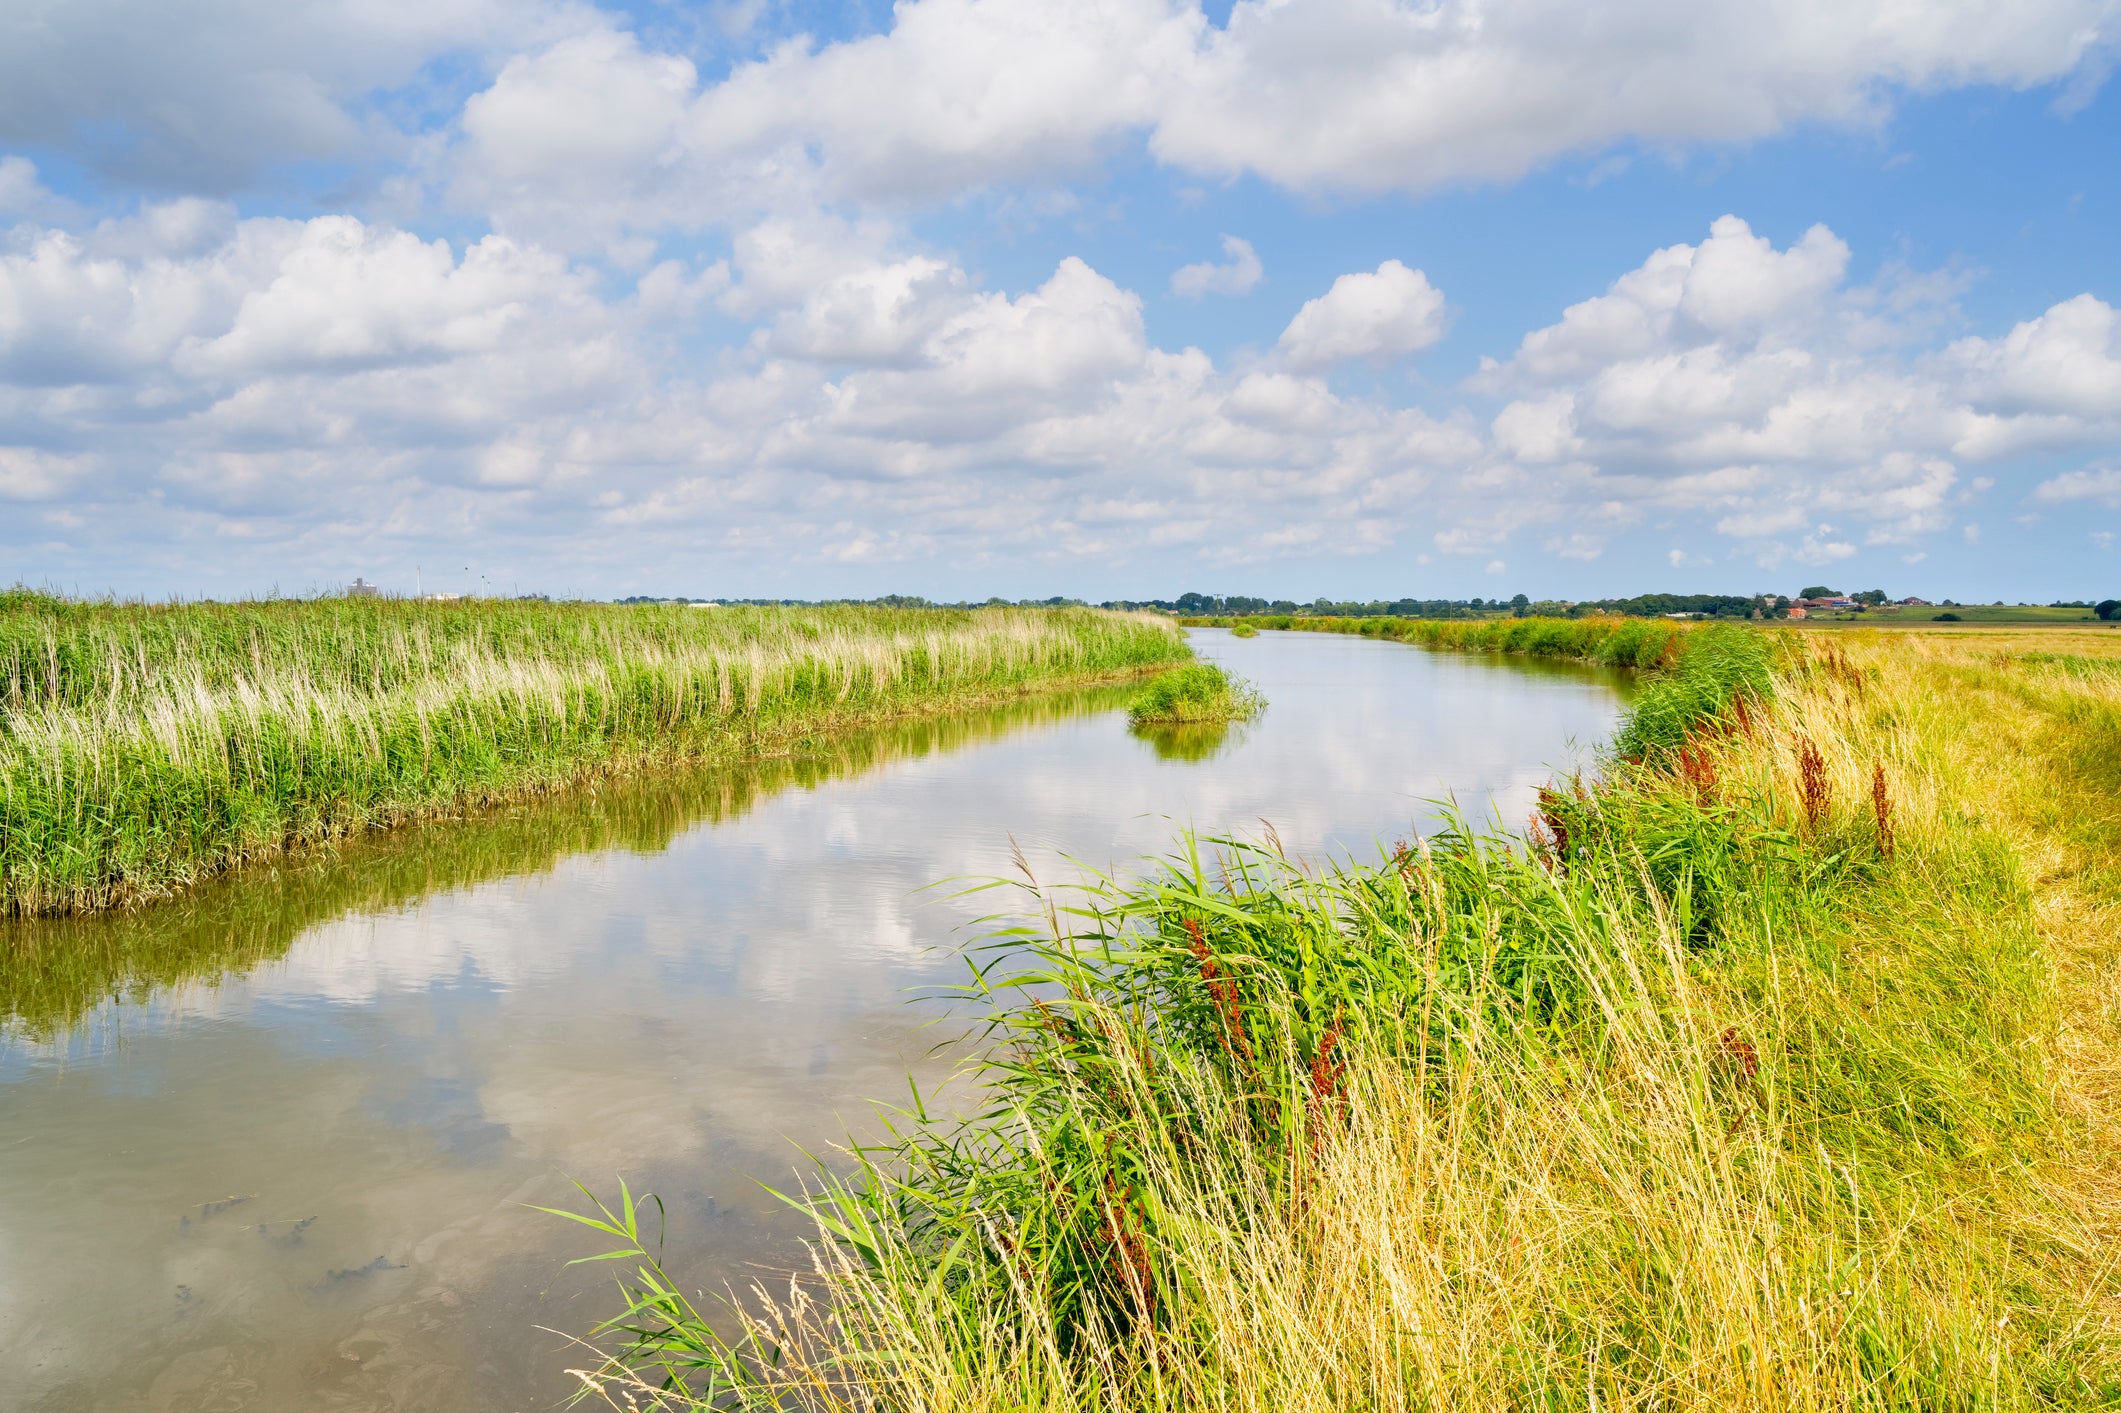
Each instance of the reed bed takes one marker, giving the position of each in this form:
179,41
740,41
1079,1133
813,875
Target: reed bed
1607,640
1777,1068
144,747
57,974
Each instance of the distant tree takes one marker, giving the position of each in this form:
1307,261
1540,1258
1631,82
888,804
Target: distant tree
2108,610
1817,591
1873,597
1944,618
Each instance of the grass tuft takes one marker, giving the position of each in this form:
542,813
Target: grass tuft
1197,693
1708,679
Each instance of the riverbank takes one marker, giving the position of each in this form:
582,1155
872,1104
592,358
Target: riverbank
55,972
145,747
1781,1070
1607,640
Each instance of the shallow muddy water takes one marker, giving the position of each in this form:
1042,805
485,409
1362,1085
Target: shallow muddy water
267,1147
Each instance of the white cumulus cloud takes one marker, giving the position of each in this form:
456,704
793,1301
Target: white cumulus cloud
1381,94
1385,314
1343,95
588,127
1757,384
1239,272
2093,483
201,96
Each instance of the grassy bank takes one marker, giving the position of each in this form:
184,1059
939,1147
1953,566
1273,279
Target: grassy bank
55,973
1607,640
1780,1069
144,747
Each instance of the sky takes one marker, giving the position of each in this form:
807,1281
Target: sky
1107,298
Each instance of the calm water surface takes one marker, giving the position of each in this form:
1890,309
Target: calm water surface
266,1148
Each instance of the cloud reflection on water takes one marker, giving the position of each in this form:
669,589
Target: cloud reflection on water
672,990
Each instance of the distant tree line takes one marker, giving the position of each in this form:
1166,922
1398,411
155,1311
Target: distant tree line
880,601
1518,605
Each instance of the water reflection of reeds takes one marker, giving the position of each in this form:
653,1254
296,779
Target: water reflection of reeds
55,972
1190,741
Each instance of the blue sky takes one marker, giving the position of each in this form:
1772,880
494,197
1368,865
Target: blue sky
807,300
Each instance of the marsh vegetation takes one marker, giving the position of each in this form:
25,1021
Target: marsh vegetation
690,975
1198,694
1606,640
143,747
1769,1069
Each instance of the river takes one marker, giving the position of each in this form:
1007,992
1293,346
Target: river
268,1146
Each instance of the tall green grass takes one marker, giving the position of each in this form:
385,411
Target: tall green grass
1730,1085
1715,672
1605,640
142,747
56,972
1198,693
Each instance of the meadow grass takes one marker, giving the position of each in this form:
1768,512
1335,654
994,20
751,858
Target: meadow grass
143,747
1925,617
1776,1068
1198,693
1606,639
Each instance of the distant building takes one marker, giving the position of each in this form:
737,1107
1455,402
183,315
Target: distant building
1916,603
440,598
1797,610
361,589
706,603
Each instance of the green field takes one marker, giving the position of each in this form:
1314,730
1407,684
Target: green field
145,746
2017,615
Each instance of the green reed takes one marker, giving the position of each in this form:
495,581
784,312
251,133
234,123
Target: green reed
1196,694
142,747
55,972
1605,640
1685,1099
